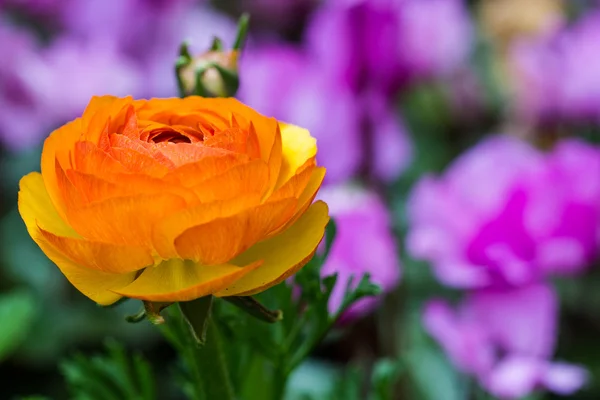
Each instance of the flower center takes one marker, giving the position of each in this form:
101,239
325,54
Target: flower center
169,135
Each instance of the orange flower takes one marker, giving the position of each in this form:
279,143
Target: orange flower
174,199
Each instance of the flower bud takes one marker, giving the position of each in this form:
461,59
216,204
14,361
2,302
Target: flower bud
211,74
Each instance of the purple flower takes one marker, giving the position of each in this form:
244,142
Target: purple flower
391,43
149,32
69,72
556,77
21,114
505,214
505,338
352,132
363,244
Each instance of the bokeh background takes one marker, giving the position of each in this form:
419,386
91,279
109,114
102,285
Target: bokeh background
461,143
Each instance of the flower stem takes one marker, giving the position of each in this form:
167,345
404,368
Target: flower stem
211,363
208,373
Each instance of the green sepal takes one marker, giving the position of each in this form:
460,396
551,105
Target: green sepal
200,89
242,31
217,44
231,79
152,311
184,51
135,318
196,314
254,308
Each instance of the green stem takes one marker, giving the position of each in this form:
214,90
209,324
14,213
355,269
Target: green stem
209,376
211,363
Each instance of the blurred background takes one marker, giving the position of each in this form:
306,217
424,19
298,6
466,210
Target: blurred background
461,140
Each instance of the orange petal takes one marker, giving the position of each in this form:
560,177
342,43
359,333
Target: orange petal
296,184
250,178
91,159
36,209
310,190
183,280
275,160
124,220
57,147
170,227
192,174
136,162
185,153
99,111
221,240
100,256
283,255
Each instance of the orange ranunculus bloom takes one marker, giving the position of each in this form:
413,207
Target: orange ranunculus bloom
174,199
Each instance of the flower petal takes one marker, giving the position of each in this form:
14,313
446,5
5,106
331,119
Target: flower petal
221,240
100,256
192,174
124,220
172,226
56,147
183,280
250,178
36,209
283,255
298,147
275,159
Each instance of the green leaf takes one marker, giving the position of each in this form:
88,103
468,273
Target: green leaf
111,376
365,288
426,364
384,378
17,310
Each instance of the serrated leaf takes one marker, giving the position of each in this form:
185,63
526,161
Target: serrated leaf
110,376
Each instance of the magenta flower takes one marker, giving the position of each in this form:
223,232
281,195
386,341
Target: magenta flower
352,131
388,44
363,244
505,214
556,77
505,338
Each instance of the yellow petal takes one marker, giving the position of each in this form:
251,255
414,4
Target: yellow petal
298,147
36,209
221,240
100,256
183,280
283,255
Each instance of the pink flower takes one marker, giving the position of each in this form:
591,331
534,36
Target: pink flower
505,214
505,338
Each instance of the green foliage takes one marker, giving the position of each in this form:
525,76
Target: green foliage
17,311
112,376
